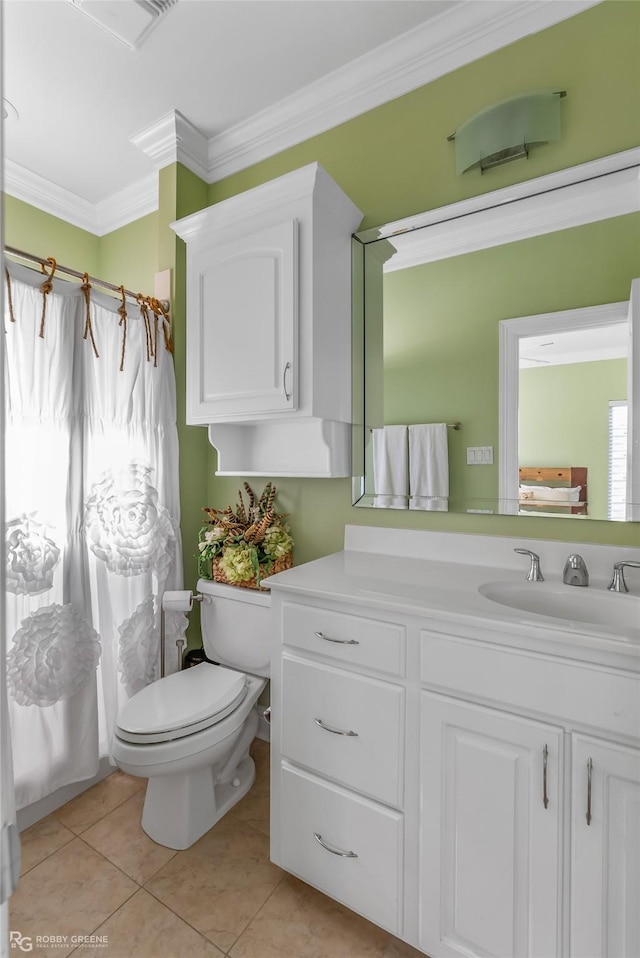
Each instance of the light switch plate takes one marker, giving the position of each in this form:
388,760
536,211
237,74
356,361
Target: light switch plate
479,455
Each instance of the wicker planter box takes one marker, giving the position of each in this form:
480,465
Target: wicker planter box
278,566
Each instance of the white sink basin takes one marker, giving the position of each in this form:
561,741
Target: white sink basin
574,603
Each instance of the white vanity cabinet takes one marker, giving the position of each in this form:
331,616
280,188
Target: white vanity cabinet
338,748
605,859
269,325
476,787
491,793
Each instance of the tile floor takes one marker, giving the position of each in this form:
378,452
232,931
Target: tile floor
89,869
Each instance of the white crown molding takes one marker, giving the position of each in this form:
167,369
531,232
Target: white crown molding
469,31
173,139
581,194
127,205
136,200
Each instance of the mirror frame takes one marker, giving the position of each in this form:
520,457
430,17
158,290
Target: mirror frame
597,190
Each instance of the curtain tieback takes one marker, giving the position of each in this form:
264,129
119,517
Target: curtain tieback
45,289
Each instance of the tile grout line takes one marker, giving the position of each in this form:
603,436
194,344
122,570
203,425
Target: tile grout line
46,857
263,905
183,919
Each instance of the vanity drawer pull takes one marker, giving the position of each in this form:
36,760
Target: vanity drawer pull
336,731
589,776
327,638
334,851
545,758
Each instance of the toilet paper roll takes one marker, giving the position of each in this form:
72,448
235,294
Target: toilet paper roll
177,601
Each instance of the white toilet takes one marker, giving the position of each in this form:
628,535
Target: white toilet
189,733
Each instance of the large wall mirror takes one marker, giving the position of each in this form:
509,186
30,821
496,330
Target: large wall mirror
497,351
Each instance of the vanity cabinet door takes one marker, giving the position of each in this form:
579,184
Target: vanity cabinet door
605,865
242,330
491,800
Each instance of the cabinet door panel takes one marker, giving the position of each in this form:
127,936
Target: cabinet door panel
244,333
605,872
489,872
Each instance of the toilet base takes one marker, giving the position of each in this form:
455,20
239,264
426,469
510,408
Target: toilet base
179,809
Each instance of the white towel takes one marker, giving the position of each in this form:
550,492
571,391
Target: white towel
429,467
391,467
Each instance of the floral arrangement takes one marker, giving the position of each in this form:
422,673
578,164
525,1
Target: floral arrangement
242,546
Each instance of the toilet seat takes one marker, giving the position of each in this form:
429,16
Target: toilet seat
181,704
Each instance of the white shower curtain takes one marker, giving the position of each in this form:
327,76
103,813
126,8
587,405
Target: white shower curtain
92,522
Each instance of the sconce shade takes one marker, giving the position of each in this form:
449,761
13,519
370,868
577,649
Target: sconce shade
507,130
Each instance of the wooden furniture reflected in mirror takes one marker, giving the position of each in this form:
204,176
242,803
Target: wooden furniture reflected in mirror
552,488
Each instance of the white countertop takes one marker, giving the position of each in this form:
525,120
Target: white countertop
449,590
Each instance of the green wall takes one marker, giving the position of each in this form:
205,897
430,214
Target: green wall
29,229
564,419
392,161
395,161
441,322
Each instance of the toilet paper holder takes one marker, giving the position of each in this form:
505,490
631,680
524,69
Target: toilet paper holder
174,602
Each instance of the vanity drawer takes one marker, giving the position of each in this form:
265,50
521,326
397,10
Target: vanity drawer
350,638
369,883
575,693
371,759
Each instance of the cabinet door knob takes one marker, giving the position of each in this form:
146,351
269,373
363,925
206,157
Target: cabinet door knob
334,851
287,395
336,731
321,635
589,777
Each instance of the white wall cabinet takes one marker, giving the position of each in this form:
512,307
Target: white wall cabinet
456,770
243,326
269,326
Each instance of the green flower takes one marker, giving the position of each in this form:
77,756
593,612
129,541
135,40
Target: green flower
239,563
277,542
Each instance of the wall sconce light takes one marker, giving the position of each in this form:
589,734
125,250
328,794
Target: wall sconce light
508,130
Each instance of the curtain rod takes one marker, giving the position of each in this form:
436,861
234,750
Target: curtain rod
31,258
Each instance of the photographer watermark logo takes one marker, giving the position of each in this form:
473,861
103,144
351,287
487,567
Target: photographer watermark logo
23,942
26,942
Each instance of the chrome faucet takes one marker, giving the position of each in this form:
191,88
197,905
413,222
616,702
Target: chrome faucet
575,571
617,583
534,574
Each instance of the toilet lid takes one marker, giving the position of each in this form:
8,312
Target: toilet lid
181,704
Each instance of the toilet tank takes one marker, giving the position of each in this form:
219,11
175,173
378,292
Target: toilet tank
236,626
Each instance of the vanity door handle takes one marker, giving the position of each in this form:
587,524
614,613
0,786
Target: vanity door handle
287,395
545,758
334,851
321,635
336,731
589,777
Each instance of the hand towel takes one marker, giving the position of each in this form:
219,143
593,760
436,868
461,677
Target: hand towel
391,467
429,467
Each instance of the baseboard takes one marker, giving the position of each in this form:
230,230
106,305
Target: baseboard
31,814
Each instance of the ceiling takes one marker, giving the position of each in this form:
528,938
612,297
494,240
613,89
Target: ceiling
218,84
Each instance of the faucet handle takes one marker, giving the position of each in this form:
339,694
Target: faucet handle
534,574
618,583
